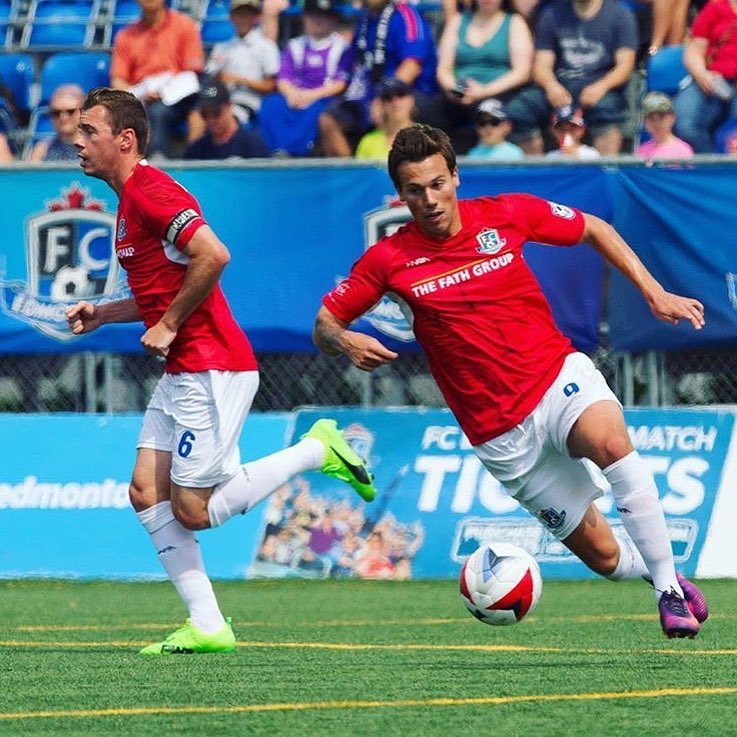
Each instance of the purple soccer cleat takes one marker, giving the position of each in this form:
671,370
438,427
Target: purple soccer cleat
694,598
676,617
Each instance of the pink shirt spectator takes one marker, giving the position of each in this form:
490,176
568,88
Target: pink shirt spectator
675,148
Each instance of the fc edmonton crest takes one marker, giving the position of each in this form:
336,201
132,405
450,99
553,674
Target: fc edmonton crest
489,241
69,256
391,315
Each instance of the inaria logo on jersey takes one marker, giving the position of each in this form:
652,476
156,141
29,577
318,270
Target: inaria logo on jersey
561,211
69,256
489,241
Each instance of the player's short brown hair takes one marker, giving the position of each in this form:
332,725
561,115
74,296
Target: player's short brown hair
417,143
125,110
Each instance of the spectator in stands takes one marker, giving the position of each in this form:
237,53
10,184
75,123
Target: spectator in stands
391,40
247,63
226,137
492,128
568,130
707,97
659,117
393,110
486,53
157,58
585,55
65,106
315,67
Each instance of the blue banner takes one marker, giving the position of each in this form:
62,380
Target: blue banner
64,509
436,503
292,231
681,223
65,512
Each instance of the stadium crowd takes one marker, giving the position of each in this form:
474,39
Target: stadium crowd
504,78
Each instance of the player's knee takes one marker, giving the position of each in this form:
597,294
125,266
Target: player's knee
141,497
613,448
190,516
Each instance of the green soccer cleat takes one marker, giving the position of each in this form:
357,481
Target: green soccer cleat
188,640
341,461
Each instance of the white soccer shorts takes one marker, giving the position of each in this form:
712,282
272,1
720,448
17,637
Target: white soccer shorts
532,461
198,418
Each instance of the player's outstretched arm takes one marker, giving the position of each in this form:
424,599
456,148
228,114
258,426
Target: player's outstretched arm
333,337
664,305
84,317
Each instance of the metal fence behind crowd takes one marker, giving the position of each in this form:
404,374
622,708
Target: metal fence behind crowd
113,383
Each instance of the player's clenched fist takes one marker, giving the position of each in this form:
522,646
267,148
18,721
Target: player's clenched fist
82,318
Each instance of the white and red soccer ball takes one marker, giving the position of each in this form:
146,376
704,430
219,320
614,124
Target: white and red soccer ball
500,583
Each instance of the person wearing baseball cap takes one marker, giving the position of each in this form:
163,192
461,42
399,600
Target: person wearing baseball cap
393,109
315,68
568,129
225,137
493,125
248,62
659,118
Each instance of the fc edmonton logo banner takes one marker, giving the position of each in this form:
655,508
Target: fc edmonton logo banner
69,256
390,316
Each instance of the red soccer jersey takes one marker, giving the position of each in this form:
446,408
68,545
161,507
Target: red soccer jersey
479,312
157,217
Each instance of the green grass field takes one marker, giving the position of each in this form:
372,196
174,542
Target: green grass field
363,658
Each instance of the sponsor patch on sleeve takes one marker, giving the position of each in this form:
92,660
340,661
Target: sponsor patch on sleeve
561,211
180,221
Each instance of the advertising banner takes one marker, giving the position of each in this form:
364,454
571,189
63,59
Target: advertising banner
64,509
293,232
436,503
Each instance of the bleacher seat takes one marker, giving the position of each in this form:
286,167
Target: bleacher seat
60,24
86,68
216,25
666,69
17,71
124,12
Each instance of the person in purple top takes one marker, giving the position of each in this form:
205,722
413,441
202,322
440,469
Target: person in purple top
391,40
315,67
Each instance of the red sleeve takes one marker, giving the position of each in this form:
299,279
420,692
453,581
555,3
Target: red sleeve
171,212
702,26
363,287
548,222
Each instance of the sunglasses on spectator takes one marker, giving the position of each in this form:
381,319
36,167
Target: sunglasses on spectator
489,121
58,112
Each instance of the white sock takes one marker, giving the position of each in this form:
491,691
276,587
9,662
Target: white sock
636,497
258,479
631,564
179,553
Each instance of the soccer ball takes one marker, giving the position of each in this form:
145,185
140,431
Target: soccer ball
500,583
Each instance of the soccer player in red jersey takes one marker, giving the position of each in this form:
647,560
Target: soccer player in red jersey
188,474
531,405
